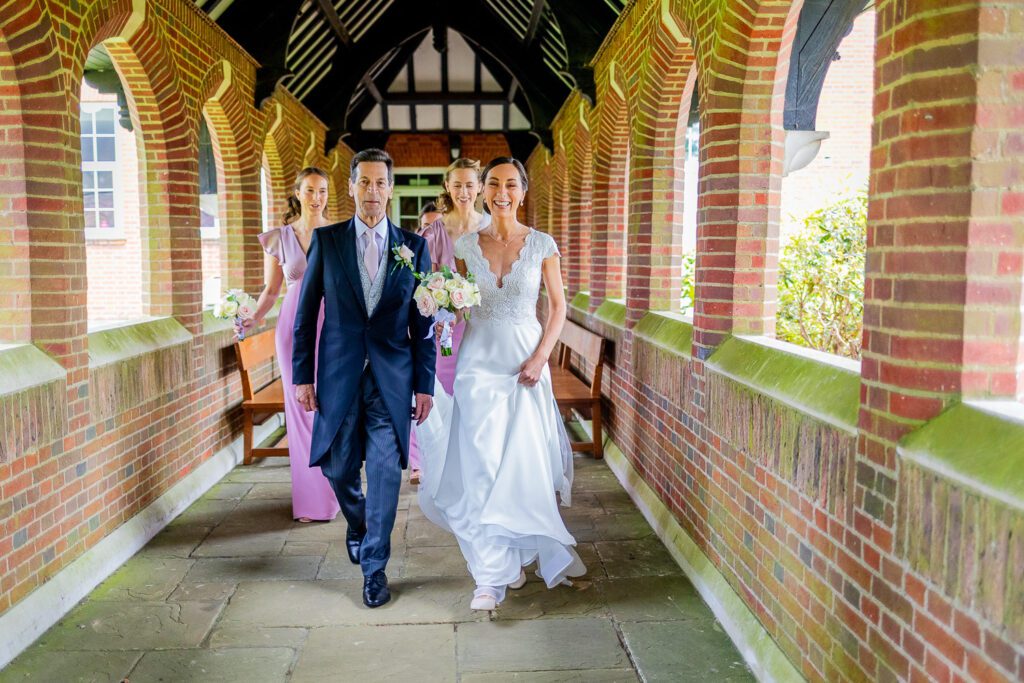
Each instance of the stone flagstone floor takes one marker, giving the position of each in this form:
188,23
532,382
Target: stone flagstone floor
234,590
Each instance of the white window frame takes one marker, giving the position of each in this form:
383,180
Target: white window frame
116,232
417,191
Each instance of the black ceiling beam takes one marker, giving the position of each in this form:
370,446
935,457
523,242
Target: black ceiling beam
584,24
479,97
262,28
822,26
535,15
358,110
331,15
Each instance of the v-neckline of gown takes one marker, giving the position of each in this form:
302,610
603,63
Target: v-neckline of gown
500,282
298,242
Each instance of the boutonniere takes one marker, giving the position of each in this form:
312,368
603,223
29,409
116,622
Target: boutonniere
403,257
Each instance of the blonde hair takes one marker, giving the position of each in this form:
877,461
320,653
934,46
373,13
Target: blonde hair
294,205
444,200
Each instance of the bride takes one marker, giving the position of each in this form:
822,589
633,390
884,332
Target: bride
496,453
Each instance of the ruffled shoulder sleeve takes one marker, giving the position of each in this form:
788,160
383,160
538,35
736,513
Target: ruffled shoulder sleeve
548,247
271,241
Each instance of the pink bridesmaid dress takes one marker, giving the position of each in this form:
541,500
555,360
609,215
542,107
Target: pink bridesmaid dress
312,495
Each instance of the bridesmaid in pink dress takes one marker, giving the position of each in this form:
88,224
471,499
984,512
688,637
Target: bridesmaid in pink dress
459,216
285,261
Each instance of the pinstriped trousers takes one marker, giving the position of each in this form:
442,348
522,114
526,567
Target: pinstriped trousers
366,434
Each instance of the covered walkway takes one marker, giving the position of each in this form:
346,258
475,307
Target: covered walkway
233,590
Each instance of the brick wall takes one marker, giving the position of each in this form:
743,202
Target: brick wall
800,513
119,447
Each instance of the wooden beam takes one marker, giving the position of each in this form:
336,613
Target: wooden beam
331,14
535,15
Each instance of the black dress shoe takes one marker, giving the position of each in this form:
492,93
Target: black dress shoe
375,589
352,545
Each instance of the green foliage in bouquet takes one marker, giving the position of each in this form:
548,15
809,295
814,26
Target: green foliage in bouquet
821,279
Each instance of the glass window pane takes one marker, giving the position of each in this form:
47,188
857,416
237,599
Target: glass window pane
104,149
106,219
105,180
89,201
86,123
90,219
87,148
105,121
106,200
87,178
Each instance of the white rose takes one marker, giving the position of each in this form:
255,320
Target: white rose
245,312
436,281
459,299
441,297
230,309
453,284
405,253
218,310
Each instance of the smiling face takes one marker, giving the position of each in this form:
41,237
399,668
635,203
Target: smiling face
503,191
463,186
371,188
428,218
312,195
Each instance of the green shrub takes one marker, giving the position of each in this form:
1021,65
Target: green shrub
821,279
689,272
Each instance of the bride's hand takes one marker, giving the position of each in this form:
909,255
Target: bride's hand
529,373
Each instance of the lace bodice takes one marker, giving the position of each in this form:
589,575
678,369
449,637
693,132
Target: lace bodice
516,299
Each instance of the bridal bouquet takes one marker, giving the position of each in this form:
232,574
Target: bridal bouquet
238,305
440,294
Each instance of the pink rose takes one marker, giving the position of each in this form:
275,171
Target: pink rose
458,298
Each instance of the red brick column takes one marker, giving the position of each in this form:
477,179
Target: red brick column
654,244
743,92
611,191
581,195
557,224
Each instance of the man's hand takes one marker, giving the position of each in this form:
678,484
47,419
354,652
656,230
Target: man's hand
424,402
306,396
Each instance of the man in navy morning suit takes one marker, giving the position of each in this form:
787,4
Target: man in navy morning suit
376,361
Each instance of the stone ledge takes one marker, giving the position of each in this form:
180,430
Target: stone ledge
612,312
669,331
134,363
581,302
817,384
960,508
33,400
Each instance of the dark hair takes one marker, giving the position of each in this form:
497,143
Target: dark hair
501,161
294,205
372,155
444,200
429,207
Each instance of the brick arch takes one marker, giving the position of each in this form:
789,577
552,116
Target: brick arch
742,143
557,189
237,177
277,153
611,188
15,323
581,194
342,205
656,180
537,208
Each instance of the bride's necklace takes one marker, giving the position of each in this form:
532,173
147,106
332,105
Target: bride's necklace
493,235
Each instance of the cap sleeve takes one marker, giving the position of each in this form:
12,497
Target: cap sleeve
271,241
462,246
549,248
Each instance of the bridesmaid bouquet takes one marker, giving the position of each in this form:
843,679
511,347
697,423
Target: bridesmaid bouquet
440,294
238,305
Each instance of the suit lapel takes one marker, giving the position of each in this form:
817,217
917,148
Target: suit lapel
346,244
392,273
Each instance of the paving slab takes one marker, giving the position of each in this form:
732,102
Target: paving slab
253,665
227,490
272,490
694,650
226,541
204,591
175,541
48,666
257,636
646,557
143,578
654,598
273,568
103,625
539,645
583,676
378,653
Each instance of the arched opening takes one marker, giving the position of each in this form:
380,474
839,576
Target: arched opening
823,213
688,150
611,191
111,148
210,211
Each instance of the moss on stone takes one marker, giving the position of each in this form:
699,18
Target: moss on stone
119,343
978,448
612,312
581,302
667,330
23,366
822,386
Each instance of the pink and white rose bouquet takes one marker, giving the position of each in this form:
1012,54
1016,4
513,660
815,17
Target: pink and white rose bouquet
238,305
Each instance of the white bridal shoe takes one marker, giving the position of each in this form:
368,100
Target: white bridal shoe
484,599
520,582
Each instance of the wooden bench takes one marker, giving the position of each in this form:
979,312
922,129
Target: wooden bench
572,392
260,405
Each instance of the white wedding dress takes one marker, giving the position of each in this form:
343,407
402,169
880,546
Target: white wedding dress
495,454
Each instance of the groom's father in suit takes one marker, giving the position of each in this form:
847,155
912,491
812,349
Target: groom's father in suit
375,368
